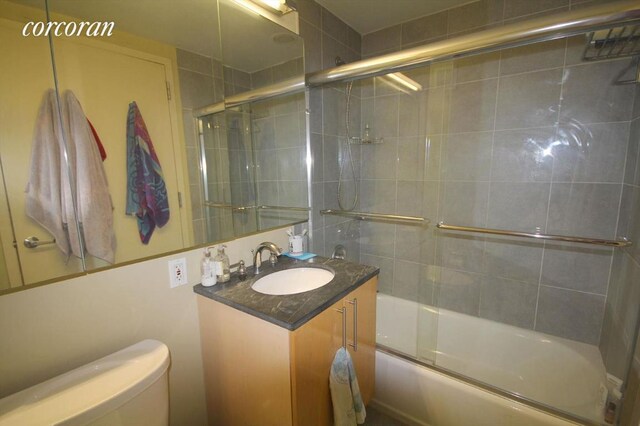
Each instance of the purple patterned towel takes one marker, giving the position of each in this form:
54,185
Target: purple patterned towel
146,190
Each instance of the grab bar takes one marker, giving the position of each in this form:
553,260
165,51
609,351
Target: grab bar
223,206
610,243
293,209
374,216
244,208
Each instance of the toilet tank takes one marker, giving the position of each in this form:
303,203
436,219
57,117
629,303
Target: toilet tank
126,388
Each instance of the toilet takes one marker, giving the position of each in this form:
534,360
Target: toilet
127,388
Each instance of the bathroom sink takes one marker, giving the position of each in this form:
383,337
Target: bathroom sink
293,281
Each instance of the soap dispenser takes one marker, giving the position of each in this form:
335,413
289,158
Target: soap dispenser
208,276
222,265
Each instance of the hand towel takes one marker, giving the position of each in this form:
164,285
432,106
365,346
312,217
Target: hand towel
48,175
146,189
94,208
348,408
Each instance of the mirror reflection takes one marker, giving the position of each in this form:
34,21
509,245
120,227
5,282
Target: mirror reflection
139,90
27,78
255,51
254,166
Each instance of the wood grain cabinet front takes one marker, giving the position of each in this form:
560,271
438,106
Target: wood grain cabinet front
258,373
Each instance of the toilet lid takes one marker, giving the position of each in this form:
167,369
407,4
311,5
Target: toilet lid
90,391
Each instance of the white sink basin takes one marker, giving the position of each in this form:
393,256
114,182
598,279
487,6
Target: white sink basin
293,281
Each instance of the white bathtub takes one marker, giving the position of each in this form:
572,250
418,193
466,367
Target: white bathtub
564,374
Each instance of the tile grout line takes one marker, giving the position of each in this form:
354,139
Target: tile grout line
546,224
493,141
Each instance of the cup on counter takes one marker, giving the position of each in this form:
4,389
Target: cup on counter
296,246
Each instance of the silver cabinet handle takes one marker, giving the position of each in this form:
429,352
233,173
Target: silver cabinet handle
354,345
33,242
343,311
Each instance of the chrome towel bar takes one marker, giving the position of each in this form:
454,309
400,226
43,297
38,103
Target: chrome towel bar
245,208
292,209
376,216
583,240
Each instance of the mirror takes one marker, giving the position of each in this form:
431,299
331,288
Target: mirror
165,56
255,166
256,52
27,75
254,155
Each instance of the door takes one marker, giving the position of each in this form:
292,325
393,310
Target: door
363,324
26,76
106,78
312,349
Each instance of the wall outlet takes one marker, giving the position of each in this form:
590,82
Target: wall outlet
177,272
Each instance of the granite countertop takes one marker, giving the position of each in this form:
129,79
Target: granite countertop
293,310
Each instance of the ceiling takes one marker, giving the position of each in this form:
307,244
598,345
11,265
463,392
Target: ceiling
190,25
366,16
247,38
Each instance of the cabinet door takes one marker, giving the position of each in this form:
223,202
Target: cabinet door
246,367
364,324
313,347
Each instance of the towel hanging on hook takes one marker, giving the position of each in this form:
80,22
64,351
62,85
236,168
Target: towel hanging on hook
146,190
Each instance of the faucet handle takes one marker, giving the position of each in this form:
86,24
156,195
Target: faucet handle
273,259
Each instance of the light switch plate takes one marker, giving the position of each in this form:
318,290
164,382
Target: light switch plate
177,272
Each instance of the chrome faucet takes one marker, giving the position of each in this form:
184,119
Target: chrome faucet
257,255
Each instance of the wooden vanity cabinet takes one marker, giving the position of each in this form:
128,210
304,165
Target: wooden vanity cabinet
258,373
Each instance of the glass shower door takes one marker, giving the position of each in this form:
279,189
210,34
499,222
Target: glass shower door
506,141
517,145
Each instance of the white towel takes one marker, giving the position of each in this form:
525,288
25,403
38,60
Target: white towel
348,408
95,210
49,200
48,175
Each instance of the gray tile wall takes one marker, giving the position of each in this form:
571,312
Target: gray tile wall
468,18
200,84
510,140
279,130
277,73
217,150
623,300
268,144
529,138
239,156
280,158
325,37
235,81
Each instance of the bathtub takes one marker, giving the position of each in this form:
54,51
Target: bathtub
555,372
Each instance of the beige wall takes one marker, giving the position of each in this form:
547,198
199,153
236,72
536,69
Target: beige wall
48,330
